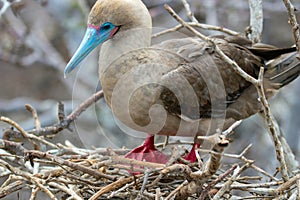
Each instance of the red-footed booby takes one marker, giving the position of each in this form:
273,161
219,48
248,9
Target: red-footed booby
180,86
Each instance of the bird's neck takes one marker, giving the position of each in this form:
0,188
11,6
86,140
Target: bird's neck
121,43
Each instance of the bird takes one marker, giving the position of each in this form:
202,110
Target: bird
181,86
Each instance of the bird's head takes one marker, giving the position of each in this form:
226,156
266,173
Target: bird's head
106,19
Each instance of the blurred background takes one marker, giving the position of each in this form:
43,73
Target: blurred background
38,37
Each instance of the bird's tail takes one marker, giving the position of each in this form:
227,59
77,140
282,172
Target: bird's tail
284,69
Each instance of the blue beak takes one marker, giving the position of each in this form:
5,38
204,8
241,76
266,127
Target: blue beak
92,38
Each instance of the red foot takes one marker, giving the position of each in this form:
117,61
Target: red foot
192,155
148,152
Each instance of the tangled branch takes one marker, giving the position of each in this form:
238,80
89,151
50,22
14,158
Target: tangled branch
63,171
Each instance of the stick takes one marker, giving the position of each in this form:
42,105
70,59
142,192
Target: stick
256,20
197,25
95,173
188,11
115,185
212,184
293,21
25,134
83,106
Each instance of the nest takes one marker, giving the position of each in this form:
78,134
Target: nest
69,172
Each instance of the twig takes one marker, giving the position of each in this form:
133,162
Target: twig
287,185
11,134
66,190
264,172
34,192
177,143
188,11
290,158
212,184
256,20
293,21
30,178
122,160
298,190
271,124
84,105
6,5
16,125
117,184
31,109
226,186
95,173
120,190
157,194
37,124
238,185
11,188
14,148
183,169
61,112
70,118
242,157
197,25
145,181
176,190
214,161
232,127
166,142
38,183
24,133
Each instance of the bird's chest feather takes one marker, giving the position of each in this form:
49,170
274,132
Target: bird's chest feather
134,81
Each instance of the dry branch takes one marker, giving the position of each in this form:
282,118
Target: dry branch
212,184
293,21
64,122
188,11
29,155
256,20
197,25
113,186
102,173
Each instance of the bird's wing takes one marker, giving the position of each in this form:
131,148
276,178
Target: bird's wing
204,85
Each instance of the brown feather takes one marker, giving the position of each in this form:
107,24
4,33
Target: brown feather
198,90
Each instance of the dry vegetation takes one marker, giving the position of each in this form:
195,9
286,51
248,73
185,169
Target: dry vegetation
31,160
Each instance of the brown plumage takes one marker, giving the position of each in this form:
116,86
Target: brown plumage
180,86
220,92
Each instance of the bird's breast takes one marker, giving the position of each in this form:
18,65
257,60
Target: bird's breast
132,85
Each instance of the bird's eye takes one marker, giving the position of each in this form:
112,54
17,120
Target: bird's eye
106,26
